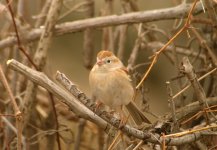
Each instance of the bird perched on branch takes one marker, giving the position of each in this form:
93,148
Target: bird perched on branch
111,85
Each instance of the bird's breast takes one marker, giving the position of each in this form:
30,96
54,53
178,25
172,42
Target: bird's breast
113,88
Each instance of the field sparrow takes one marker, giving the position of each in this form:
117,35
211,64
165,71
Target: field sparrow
111,85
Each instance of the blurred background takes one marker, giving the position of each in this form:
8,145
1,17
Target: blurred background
72,55
65,53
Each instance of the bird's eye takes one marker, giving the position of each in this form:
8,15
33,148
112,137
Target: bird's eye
108,61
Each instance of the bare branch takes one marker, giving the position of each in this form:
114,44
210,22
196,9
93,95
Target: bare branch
17,111
84,112
99,22
88,47
80,131
187,69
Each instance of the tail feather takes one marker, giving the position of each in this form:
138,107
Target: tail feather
136,114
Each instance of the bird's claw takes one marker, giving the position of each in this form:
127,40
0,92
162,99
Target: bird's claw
123,122
98,104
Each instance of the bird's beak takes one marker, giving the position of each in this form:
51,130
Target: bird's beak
99,62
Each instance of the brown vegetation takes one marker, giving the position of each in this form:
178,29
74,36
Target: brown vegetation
37,113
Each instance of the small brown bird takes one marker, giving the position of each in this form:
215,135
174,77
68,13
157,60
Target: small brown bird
111,85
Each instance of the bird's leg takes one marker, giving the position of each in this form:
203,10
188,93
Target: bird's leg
98,104
123,119
112,112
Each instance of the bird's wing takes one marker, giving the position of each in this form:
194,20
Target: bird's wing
125,72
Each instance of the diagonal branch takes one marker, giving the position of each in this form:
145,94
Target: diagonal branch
72,102
75,106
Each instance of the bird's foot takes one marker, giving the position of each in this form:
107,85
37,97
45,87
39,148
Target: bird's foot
123,121
98,104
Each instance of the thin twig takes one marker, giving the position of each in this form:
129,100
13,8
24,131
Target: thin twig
204,44
107,33
17,111
17,35
163,142
212,13
80,131
157,54
122,40
136,48
189,85
180,50
187,69
171,102
88,46
76,7
56,120
138,145
10,125
43,13
46,36
111,146
191,131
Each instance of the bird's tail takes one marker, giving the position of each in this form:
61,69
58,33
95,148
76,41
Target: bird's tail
136,114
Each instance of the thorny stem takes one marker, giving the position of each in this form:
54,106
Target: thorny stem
157,54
